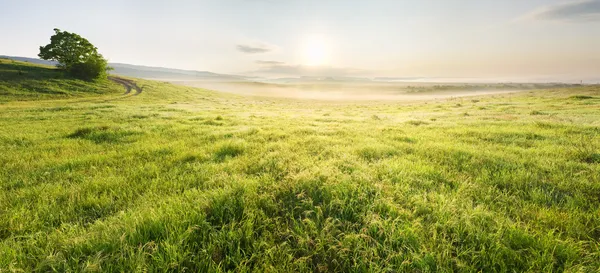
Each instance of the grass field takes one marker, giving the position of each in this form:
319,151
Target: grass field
179,179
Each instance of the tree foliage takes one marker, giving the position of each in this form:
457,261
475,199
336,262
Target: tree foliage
75,54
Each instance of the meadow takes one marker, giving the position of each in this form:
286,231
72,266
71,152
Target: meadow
182,179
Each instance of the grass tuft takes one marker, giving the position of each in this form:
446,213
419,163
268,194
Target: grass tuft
417,122
581,97
103,134
536,113
229,149
376,152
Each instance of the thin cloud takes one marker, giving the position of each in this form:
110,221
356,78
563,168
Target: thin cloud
281,69
254,49
269,62
587,10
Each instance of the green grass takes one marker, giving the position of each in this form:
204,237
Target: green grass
182,179
24,81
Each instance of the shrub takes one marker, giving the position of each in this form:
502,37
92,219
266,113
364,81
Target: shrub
93,68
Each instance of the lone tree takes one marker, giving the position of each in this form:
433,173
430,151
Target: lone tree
75,54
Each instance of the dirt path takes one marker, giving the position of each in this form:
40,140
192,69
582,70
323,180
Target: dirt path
128,84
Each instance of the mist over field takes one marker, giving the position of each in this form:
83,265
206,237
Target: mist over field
351,91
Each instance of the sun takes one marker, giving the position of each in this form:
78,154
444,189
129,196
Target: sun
316,52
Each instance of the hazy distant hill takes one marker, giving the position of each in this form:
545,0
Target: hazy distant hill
149,72
29,60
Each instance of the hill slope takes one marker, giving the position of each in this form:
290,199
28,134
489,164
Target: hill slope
27,81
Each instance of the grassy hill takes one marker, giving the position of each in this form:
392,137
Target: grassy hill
26,81
183,179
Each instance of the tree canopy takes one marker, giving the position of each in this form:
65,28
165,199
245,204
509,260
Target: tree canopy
75,54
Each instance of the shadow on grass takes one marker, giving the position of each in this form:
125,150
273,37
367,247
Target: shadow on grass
16,71
103,134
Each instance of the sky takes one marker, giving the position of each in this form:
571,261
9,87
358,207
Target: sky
505,40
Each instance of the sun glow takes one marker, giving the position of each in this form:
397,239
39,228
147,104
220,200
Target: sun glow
316,52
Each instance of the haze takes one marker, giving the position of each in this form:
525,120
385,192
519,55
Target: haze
496,40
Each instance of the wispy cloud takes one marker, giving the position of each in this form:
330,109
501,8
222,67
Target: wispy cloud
254,49
283,69
574,11
269,62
